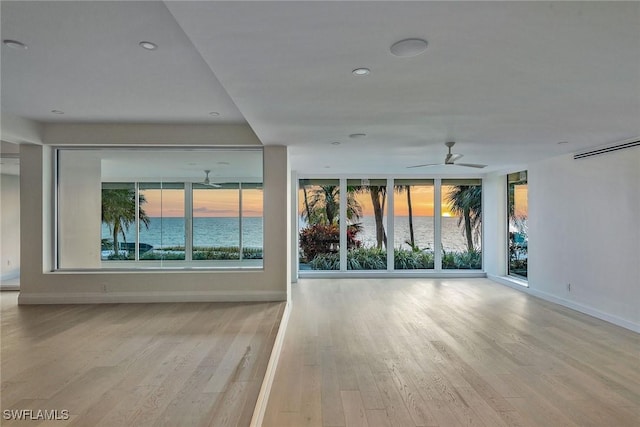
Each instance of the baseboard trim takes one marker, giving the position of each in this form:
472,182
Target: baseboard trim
509,281
150,297
618,321
265,390
384,274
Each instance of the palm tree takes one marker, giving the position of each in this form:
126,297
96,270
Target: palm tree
119,212
306,201
465,201
378,198
400,188
323,206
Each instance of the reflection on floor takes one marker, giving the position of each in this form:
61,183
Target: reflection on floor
177,364
419,352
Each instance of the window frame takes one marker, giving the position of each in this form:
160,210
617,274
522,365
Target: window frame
136,265
390,271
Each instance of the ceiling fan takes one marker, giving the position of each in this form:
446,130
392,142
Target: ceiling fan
207,181
450,160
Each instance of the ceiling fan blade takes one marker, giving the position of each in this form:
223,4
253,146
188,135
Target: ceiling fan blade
422,166
471,165
452,158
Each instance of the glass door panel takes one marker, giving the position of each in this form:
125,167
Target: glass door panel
368,250
319,224
413,224
461,229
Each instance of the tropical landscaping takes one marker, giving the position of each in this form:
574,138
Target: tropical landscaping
319,235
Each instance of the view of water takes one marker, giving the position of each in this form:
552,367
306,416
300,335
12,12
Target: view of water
453,238
165,232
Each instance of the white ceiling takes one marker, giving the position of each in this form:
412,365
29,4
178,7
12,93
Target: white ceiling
506,80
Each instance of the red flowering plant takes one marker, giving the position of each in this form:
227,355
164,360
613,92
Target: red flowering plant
325,239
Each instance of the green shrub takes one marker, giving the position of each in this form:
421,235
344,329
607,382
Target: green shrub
325,262
411,260
448,260
252,253
469,260
367,259
157,255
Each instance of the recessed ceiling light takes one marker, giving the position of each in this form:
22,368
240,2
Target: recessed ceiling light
148,45
563,142
335,143
357,135
361,72
224,163
14,44
214,114
57,112
327,167
409,47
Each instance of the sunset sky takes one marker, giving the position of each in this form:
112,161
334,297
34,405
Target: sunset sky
206,203
422,201
224,203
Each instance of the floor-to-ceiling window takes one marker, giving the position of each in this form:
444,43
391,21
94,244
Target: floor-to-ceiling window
461,224
413,224
319,226
434,224
517,216
369,228
142,208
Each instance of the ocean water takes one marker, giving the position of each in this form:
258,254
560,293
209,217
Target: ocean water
164,232
453,238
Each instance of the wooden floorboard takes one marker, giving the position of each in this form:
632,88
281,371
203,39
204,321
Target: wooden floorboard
454,352
183,364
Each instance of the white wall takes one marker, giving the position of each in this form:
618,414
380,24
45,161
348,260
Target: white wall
10,226
40,285
494,224
79,203
584,230
584,218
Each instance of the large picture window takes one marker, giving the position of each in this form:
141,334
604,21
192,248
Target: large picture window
216,222
142,208
369,228
413,224
319,226
461,224
386,214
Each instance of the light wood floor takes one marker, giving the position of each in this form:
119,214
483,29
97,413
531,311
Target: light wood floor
116,365
449,353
